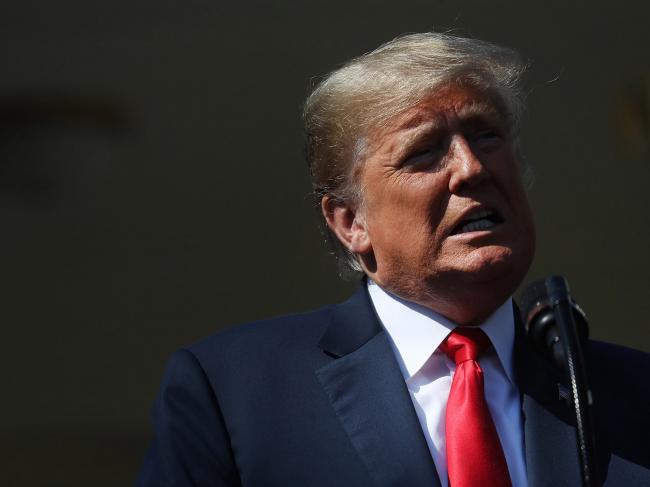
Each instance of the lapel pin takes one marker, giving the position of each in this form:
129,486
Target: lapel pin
563,394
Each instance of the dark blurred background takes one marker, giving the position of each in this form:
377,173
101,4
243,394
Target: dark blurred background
153,189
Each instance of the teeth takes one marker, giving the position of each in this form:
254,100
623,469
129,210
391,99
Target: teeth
477,225
481,214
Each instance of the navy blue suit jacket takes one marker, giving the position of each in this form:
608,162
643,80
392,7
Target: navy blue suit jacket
318,399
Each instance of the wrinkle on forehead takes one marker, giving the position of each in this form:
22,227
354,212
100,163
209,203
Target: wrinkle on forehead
436,111
449,102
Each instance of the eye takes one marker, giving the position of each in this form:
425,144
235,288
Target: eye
425,157
488,140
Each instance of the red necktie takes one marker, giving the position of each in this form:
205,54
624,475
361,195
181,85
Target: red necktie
474,454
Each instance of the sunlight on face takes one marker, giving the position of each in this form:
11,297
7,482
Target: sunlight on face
443,204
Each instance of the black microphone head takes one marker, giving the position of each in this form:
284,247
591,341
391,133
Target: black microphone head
539,319
532,300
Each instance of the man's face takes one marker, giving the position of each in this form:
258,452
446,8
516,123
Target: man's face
447,220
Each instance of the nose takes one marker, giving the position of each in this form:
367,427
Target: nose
466,169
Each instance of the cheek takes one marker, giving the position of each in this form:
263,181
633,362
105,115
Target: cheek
406,211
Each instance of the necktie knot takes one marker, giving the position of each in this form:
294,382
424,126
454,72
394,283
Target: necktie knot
464,344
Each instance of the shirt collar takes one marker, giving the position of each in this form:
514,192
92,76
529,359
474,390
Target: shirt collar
416,332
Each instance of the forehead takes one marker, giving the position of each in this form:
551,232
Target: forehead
447,105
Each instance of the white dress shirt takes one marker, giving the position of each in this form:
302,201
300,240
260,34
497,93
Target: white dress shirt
415,334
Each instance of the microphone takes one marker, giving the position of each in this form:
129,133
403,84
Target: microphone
540,322
557,327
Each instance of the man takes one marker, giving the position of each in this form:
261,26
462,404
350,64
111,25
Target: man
423,377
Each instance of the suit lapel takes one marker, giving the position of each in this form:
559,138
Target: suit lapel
367,391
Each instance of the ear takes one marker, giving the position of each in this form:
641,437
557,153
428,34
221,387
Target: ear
348,225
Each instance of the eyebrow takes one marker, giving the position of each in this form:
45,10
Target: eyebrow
421,117
479,109
415,134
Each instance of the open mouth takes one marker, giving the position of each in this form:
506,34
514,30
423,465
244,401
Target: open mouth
477,221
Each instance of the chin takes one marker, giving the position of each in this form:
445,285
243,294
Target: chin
496,266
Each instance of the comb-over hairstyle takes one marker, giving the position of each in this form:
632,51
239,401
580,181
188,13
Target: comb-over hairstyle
368,92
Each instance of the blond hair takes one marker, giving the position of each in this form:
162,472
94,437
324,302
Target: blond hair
370,90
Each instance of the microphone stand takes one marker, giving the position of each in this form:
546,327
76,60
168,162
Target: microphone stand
561,303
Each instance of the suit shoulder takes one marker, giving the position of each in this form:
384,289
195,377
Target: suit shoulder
618,374
289,334
616,357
